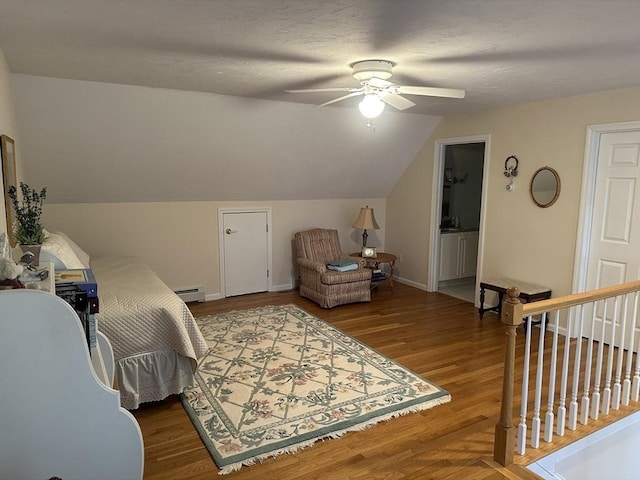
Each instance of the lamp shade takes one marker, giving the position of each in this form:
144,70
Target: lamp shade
366,220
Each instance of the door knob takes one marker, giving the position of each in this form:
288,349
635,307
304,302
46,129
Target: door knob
228,231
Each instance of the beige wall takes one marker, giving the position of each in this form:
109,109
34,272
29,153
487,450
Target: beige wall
179,240
520,239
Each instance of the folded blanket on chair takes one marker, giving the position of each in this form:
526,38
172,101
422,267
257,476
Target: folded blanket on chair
346,268
342,265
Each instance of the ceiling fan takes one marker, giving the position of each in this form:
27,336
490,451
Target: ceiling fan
373,75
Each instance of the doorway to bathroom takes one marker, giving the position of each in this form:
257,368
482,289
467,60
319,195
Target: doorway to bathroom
457,216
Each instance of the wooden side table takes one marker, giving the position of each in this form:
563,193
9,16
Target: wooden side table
380,259
529,292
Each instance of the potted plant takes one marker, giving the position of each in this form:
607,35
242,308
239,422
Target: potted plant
28,230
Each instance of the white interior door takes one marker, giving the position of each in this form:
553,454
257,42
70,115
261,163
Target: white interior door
245,245
614,246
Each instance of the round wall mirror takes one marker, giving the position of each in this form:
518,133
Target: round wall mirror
545,187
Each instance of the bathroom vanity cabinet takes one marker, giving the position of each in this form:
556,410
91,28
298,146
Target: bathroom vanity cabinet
458,254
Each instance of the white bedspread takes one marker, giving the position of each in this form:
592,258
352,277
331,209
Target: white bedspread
141,317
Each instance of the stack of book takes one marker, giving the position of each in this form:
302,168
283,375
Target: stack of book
377,275
79,288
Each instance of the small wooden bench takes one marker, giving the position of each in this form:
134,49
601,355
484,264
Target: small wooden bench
529,292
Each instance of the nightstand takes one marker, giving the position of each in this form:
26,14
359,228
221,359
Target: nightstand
377,262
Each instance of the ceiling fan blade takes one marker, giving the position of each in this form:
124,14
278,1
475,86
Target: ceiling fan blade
359,91
334,89
397,101
379,82
431,91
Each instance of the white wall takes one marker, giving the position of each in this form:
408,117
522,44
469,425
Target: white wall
92,142
521,240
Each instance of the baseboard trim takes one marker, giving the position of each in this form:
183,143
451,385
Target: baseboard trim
274,288
282,288
411,283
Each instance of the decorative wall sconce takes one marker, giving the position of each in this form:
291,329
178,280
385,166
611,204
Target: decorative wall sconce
511,166
510,171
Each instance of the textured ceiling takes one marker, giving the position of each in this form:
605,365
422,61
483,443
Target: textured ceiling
499,51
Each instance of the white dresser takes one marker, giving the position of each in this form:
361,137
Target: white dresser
53,403
102,353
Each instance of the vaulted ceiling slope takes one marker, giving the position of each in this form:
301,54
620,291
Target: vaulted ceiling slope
219,124
93,142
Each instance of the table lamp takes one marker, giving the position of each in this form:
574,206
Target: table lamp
365,221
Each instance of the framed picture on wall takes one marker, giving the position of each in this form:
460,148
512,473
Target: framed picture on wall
8,153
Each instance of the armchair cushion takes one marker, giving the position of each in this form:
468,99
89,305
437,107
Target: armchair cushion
333,277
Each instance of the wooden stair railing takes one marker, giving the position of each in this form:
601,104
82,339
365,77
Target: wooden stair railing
513,313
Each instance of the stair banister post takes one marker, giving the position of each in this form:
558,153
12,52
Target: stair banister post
504,440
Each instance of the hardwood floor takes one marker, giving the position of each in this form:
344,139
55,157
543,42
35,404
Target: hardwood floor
437,336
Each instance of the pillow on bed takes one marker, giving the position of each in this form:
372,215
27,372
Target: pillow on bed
56,250
83,256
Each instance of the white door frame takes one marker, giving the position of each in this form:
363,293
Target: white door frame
221,212
436,204
587,197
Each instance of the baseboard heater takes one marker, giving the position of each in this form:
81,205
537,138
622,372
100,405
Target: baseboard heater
191,294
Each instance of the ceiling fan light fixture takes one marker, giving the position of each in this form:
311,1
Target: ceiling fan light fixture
371,105
368,69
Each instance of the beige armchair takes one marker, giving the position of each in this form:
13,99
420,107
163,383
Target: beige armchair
328,288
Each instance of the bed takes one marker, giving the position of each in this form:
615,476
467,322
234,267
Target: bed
156,342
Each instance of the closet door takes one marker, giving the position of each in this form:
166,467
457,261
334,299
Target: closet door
245,252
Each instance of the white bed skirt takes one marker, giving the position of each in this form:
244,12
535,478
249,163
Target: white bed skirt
138,377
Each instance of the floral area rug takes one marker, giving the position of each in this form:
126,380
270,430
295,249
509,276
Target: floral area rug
277,379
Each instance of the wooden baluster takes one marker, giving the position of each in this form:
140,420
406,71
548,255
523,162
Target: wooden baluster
635,385
535,421
628,388
521,444
562,403
575,385
617,386
504,434
595,406
586,398
549,419
606,400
